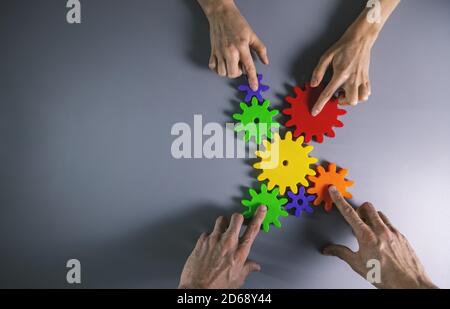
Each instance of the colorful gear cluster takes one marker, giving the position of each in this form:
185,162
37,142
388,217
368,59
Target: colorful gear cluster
307,125
286,164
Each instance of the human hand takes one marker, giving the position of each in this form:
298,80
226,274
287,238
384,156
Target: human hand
378,239
232,40
219,260
350,60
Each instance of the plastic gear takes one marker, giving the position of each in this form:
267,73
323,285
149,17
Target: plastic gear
324,180
250,93
307,125
285,163
271,201
256,120
300,202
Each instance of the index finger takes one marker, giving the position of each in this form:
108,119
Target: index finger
249,66
251,232
347,212
327,93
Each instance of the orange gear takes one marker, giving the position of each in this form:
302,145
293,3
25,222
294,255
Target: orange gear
324,180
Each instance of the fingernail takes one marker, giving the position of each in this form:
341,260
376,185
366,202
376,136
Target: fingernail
325,251
314,113
314,82
263,208
332,189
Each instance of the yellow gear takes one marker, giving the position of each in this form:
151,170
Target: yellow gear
285,163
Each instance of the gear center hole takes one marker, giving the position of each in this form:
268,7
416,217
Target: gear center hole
300,202
256,120
285,163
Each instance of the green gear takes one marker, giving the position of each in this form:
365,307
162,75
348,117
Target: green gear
274,206
256,120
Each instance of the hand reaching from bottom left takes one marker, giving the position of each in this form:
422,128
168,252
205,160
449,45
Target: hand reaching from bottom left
219,260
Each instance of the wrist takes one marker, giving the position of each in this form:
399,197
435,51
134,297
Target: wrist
362,30
211,7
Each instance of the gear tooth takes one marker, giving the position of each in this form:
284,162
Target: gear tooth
275,191
265,227
297,132
284,213
313,160
276,223
349,183
246,203
300,141
263,187
274,112
247,214
255,101
319,138
266,143
304,182
311,172
270,185
343,172
252,192
287,111
321,170
332,168
262,176
331,133
266,104
237,116
348,194
290,123
318,200
288,135
289,100
308,137
308,149
282,189
283,201
243,106
294,188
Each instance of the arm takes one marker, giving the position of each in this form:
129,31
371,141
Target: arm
220,259
350,57
378,239
232,40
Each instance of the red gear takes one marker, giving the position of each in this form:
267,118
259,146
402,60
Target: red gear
304,122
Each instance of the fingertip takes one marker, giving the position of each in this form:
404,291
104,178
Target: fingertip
263,208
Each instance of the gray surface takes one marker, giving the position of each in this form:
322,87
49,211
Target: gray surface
85,118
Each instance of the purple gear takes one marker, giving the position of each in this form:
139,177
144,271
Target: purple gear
251,93
300,202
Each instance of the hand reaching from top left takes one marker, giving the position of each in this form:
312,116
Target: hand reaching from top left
232,41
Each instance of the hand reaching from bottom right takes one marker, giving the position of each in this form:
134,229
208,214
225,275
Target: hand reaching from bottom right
378,240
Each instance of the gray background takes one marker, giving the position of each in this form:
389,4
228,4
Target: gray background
85,118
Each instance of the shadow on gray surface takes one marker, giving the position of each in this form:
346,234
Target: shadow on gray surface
199,51
344,14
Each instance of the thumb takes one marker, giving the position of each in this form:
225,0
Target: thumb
251,266
342,252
